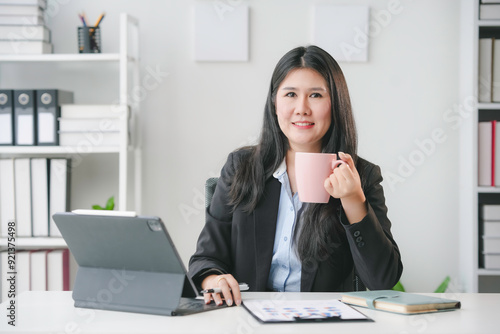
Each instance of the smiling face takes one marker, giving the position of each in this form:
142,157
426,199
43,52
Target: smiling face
303,107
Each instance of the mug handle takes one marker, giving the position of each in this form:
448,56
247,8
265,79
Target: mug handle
336,163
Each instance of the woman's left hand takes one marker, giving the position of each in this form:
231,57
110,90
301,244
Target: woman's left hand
344,180
344,183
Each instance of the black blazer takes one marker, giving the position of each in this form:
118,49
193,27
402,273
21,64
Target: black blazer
242,243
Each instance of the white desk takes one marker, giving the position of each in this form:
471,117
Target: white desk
53,312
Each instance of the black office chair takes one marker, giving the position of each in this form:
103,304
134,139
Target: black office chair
210,185
357,283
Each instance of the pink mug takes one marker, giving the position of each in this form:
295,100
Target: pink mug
311,171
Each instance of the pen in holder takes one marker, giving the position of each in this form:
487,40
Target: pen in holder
89,39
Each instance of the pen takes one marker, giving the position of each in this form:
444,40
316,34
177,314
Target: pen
243,287
83,20
99,20
318,318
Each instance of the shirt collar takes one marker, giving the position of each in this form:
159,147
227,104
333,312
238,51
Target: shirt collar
280,170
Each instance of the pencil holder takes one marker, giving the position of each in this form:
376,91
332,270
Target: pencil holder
89,40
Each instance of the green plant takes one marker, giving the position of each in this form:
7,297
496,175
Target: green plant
443,286
110,205
399,287
440,289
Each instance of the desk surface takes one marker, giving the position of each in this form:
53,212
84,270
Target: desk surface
53,312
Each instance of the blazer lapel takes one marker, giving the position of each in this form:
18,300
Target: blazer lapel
265,218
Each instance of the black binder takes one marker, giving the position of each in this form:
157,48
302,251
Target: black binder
6,117
48,111
24,117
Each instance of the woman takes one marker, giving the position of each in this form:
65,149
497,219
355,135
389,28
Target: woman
257,231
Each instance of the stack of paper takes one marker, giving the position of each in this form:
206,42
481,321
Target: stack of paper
279,310
489,10
22,27
491,236
90,125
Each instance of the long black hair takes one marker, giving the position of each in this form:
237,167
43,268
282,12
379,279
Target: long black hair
319,220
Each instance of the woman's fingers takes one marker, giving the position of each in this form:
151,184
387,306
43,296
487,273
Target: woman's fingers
230,290
346,158
207,297
344,179
235,291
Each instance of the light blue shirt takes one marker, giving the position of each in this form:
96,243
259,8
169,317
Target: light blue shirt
285,265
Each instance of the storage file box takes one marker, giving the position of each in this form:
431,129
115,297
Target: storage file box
6,117
492,228
24,117
492,261
491,244
48,111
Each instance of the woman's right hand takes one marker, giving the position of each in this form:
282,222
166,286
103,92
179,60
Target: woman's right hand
229,286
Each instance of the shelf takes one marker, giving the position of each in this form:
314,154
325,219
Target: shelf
492,190
69,57
488,23
57,149
36,242
488,105
128,171
488,272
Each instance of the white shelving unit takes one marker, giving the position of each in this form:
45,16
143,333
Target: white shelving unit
43,150
474,277
76,57
129,150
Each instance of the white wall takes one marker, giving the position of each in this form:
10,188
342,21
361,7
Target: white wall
202,111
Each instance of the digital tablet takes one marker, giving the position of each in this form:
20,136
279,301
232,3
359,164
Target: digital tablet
128,263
